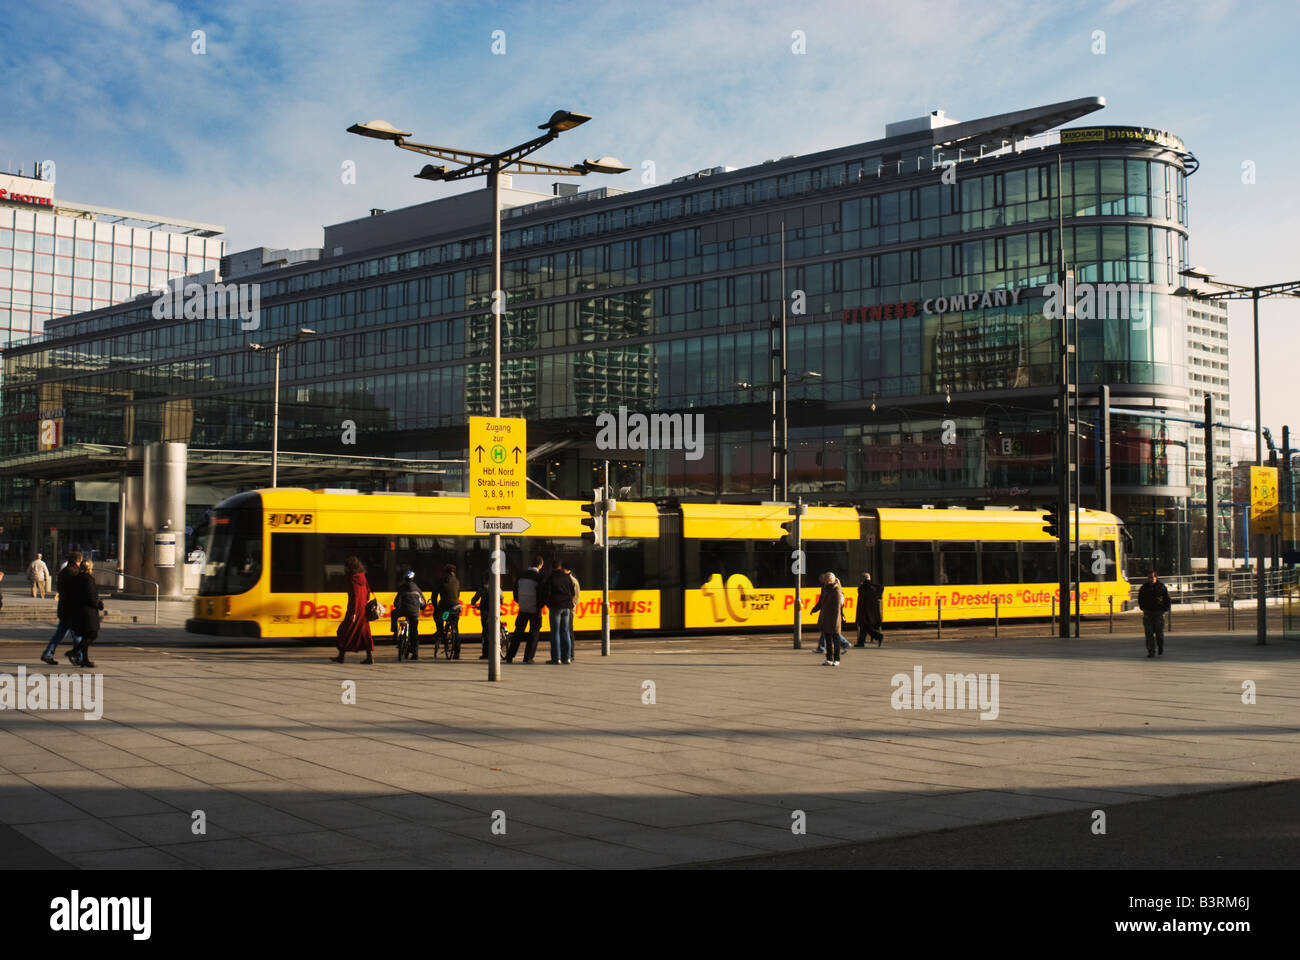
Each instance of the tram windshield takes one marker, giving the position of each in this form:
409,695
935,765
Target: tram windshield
233,548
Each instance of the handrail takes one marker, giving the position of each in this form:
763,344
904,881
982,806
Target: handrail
128,576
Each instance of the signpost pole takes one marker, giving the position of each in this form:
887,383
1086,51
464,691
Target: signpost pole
798,510
498,307
606,507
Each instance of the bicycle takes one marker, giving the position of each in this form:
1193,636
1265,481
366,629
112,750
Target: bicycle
403,639
448,637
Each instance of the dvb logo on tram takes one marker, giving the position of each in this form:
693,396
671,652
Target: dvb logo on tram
289,519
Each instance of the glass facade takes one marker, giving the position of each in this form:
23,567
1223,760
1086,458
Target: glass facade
52,265
663,301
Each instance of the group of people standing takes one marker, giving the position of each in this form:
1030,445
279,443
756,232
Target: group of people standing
558,590
78,611
830,616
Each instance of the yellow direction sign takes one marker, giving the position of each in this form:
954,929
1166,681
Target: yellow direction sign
1263,501
498,464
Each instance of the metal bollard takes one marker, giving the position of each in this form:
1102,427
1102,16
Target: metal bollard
995,618
1112,615
938,606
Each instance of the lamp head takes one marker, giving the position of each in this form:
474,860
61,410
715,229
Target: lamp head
430,172
562,120
603,165
379,130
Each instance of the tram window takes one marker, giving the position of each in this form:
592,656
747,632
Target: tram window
725,557
770,565
822,556
1039,561
234,552
958,563
913,563
1000,562
627,564
1098,568
370,550
289,563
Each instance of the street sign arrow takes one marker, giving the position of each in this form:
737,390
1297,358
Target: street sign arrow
479,451
500,524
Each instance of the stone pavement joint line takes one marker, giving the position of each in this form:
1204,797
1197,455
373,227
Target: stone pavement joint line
562,767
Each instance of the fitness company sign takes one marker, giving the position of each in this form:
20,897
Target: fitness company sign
932,306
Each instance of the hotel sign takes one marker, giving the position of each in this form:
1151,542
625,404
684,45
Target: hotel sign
932,306
1129,134
39,193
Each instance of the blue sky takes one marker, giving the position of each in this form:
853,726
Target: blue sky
251,134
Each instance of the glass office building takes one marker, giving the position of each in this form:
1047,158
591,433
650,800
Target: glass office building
58,257
922,366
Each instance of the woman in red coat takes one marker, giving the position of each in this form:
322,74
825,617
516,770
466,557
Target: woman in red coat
354,631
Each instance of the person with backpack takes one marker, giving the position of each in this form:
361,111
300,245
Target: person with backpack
562,593
527,589
354,631
449,603
408,603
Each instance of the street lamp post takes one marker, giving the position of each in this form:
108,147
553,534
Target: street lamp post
302,334
493,165
1232,291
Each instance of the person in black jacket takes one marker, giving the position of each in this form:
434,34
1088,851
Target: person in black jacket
408,603
868,612
63,584
83,608
1153,600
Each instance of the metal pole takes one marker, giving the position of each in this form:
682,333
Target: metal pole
1261,589
1211,503
774,375
1053,616
1063,415
798,577
938,609
1103,419
785,385
275,423
604,553
1078,485
996,616
1112,614
121,534
498,308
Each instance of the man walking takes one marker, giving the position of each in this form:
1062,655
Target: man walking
1153,600
67,577
530,616
868,613
39,576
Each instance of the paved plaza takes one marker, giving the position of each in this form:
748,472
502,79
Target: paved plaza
748,748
